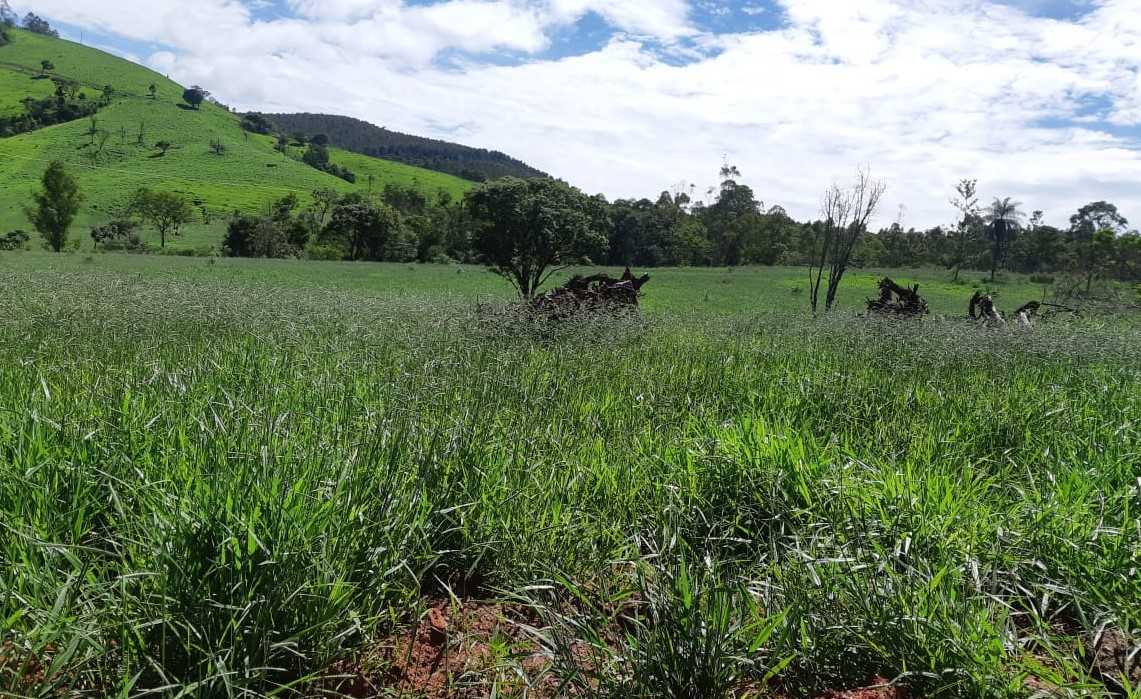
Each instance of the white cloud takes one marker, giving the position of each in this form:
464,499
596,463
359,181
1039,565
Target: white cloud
925,91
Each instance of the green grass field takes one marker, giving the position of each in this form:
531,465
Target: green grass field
249,174
233,477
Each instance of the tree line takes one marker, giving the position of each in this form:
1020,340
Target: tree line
526,229
736,229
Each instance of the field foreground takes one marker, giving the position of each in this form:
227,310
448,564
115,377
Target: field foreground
217,484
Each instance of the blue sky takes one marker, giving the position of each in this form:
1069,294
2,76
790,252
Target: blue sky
1038,99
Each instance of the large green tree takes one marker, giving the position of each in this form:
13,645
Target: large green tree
1090,247
529,229
195,96
55,205
364,229
166,212
723,218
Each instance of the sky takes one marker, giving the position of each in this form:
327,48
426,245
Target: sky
1039,100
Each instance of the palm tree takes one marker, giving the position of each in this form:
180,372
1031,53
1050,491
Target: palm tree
1003,222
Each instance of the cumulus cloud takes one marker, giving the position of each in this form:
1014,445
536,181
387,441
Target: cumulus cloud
925,91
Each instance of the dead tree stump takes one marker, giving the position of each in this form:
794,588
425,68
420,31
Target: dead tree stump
898,300
592,294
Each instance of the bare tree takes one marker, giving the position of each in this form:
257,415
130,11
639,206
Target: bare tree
93,130
101,140
966,202
846,213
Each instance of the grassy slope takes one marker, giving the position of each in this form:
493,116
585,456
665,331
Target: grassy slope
249,174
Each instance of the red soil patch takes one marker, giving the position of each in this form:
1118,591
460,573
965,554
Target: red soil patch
877,688
456,652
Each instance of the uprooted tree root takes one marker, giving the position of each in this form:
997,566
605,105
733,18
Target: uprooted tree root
983,309
594,294
896,300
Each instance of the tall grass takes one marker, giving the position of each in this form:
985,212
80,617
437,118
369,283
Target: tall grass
210,489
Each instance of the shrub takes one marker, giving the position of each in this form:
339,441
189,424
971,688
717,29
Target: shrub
117,235
257,123
14,240
37,25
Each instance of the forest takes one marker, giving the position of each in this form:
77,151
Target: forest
475,164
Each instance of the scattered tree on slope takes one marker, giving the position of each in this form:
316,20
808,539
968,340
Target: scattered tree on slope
55,205
166,212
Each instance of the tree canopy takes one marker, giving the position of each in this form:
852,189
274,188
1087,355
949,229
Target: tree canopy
529,229
38,25
167,212
194,96
55,205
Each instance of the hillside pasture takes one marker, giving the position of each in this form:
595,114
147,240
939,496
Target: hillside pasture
247,176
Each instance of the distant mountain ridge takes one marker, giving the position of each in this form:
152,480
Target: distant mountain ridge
475,164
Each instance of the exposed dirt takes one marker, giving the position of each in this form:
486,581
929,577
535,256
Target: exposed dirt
473,649
22,669
463,651
1116,660
877,688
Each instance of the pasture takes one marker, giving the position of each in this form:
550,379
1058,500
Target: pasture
239,478
246,176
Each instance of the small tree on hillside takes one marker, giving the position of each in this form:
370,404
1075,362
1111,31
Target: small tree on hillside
846,215
7,16
38,25
194,96
100,144
162,146
528,230
316,156
166,212
93,130
152,90
46,67
55,206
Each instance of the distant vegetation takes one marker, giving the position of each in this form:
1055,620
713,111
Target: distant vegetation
476,164
117,126
278,186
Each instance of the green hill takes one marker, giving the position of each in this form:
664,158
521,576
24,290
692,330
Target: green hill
246,176
476,164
